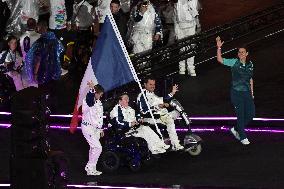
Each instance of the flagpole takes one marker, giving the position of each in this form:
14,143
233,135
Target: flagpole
117,33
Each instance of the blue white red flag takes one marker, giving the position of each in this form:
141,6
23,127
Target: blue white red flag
109,66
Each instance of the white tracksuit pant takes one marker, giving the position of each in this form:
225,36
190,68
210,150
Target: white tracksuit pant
167,120
144,31
182,32
155,144
92,135
143,40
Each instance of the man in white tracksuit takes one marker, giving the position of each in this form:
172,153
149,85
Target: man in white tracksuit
125,117
159,107
185,13
147,26
92,121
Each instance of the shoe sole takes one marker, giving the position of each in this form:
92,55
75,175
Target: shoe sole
245,144
94,174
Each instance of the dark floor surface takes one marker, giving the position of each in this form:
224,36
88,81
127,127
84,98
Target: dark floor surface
223,162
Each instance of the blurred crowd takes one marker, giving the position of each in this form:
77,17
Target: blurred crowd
45,39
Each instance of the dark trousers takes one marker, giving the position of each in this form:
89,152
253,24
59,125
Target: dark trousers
85,37
244,108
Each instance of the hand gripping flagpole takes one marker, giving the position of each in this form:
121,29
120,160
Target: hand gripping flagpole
117,33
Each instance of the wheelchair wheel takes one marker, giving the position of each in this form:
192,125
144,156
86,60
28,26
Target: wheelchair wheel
110,161
194,150
192,144
134,165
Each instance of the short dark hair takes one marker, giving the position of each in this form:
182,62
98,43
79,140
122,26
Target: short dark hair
31,23
11,37
99,88
122,94
146,79
115,2
243,47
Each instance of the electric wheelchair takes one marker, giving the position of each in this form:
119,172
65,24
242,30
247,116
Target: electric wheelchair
192,143
121,148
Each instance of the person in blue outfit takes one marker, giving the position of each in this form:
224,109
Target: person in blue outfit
42,61
241,91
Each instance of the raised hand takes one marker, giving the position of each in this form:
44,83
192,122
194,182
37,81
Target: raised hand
91,84
219,43
174,89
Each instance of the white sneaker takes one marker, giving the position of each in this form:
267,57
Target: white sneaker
192,73
158,151
92,171
166,146
98,172
245,141
235,133
181,72
178,147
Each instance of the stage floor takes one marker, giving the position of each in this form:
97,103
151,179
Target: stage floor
223,163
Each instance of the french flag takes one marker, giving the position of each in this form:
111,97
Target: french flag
109,66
